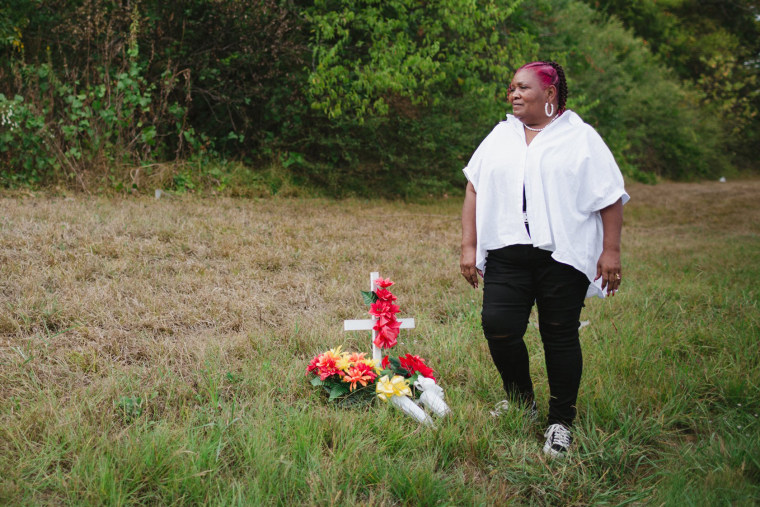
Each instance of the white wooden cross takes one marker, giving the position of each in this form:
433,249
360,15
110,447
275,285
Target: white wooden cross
368,324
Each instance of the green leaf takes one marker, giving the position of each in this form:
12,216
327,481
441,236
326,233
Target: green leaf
369,297
359,397
316,381
337,391
394,368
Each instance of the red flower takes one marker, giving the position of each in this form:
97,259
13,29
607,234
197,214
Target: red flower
390,323
366,369
414,364
385,363
383,321
329,371
385,295
386,336
386,339
380,308
383,283
325,365
313,364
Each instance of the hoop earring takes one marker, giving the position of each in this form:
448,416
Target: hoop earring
549,112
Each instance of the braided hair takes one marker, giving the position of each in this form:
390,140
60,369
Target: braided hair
551,74
561,85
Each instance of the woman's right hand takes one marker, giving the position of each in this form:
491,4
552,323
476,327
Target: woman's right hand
469,238
467,266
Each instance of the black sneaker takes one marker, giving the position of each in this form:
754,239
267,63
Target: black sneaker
558,440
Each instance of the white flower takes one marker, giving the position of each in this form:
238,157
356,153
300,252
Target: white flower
6,118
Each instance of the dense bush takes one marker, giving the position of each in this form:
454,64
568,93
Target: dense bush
652,122
100,87
352,97
73,112
713,48
405,90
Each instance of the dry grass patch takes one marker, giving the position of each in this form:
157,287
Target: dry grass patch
93,288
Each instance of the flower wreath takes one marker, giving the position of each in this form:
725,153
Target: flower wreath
351,378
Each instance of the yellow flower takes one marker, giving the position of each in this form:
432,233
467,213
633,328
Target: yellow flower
397,386
344,363
372,363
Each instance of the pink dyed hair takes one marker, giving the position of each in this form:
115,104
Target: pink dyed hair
550,74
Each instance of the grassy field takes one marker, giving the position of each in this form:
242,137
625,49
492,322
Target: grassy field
153,352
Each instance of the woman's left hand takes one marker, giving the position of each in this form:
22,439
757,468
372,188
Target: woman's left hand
608,268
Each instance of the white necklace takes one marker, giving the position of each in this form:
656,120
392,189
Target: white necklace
542,128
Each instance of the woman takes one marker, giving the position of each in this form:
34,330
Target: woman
541,223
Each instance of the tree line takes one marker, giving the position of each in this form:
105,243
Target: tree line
359,97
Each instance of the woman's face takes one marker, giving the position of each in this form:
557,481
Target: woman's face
527,97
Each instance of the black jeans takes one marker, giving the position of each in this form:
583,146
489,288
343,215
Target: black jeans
517,276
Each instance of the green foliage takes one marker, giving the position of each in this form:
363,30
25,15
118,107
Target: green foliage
369,297
244,61
359,98
369,54
713,47
406,90
8,32
113,116
395,368
108,86
651,122
22,141
340,393
67,128
130,407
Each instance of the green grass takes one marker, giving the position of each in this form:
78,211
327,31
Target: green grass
153,352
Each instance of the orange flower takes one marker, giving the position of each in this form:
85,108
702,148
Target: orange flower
357,375
356,357
330,356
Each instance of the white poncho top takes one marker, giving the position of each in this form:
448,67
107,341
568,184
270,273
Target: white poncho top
569,175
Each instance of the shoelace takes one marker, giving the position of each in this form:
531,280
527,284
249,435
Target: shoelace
559,435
